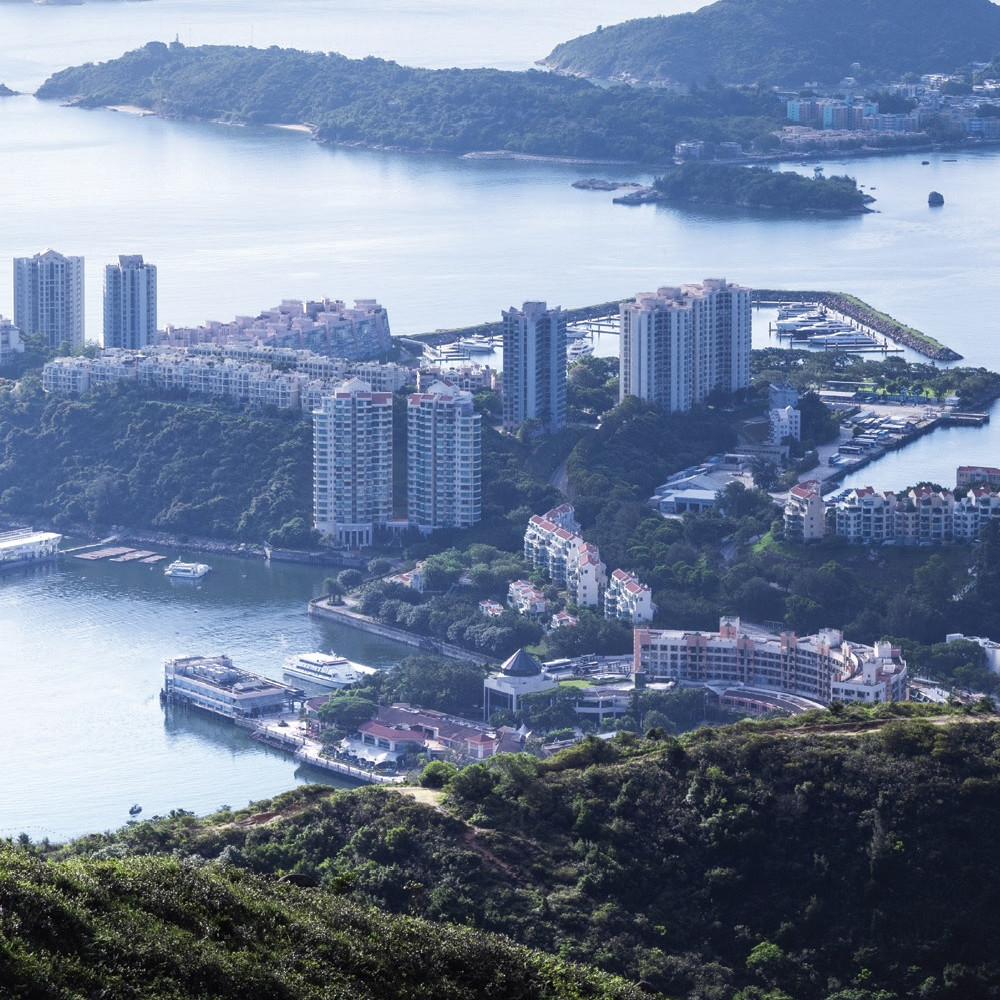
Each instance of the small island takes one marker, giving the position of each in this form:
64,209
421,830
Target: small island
5,91
598,184
753,187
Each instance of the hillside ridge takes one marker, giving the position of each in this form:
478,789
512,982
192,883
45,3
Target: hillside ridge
788,42
802,855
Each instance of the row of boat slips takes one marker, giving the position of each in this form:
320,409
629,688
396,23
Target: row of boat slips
462,350
813,324
24,546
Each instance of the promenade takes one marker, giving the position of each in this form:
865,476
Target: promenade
321,607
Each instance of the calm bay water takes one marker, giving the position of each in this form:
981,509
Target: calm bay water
82,645
239,218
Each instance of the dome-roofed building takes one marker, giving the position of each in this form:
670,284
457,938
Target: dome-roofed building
520,664
519,674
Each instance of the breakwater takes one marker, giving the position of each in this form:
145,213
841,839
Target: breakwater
322,608
853,307
495,329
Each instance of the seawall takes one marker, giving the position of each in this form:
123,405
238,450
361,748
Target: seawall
321,608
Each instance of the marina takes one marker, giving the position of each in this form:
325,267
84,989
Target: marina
812,324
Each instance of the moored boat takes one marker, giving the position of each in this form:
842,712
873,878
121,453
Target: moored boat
476,344
179,570
846,340
328,670
24,546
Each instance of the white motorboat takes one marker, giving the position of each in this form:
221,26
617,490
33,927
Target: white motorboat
476,344
179,570
846,339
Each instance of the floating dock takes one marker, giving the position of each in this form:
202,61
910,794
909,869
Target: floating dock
121,554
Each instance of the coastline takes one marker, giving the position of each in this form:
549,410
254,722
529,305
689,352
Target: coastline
507,154
322,608
301,127
137,536
753,159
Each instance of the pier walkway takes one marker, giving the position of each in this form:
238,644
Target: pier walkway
292,739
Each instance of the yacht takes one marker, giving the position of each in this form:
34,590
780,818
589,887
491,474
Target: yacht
178,570
579,349
328,670
847,340
794,310
476,344
792,324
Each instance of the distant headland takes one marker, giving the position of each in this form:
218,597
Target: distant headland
777,42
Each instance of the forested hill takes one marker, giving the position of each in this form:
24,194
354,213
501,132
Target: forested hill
843,855
377,103
163,928
790,41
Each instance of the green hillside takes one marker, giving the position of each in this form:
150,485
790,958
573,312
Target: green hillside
845,855
378,103
120,456
155,928
790,41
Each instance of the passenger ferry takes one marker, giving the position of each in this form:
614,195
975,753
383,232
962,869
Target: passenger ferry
24,546
178,570
327,670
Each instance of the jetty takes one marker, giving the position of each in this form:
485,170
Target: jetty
267,708
309,751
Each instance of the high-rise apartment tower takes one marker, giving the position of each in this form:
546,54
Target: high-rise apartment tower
534,367
352,463
48,297
680,344
443,459
129,303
